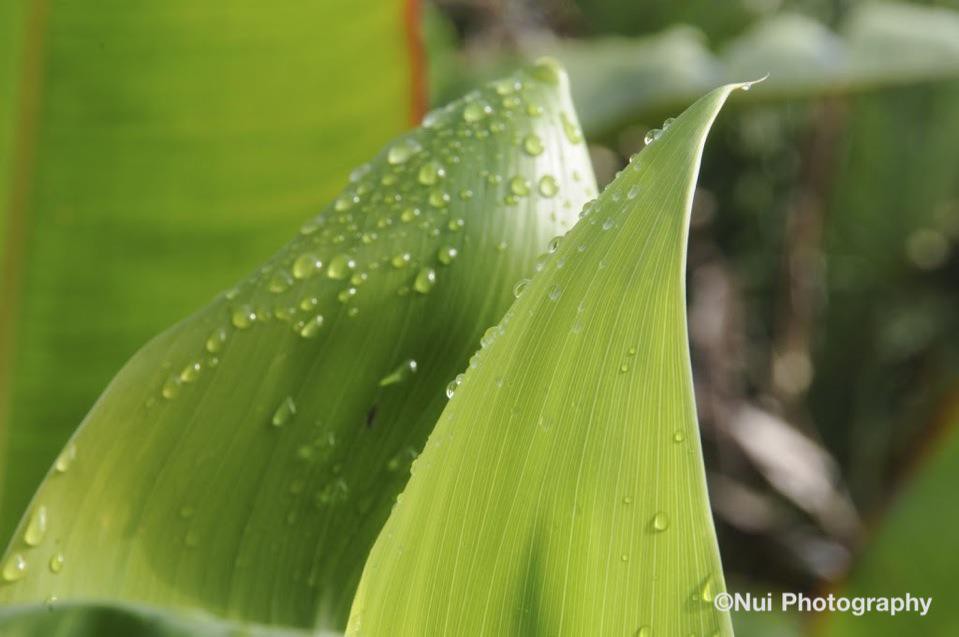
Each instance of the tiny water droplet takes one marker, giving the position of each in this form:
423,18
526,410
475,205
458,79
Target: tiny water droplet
609,223
284,413
679,436
668,122
652,135
623,368
632,192
191,372
340,267
627,499
707,592
624,557
555,292
475,111
402,371
661,521
216,340
439,198
553,245
454,385
430,173
644,631
170,388
15,568
243,317
37,527
401,260
312,327
346,294
520,286
548,186
56,562
66,458
446,254
280,281
571,130
425,280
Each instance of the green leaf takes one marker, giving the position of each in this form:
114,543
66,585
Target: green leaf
54,619
151,153
562,490
617,79
906,555
244,461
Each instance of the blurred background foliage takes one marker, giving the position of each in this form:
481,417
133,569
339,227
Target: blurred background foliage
823,267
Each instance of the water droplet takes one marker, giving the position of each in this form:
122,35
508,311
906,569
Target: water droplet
446,255
15,568
284,413
66,458
661,521
632,192
306,265
652,135
430,173
401,260
555,292
216,340
403,371
678,437
624,557
425,280
707,592
571,130
520,287
280,282
344,202
547,70
519,186
401,151
191,372
454,385
409,214
644,631
623,368
548,186
668,122
243,317
533,145
170,388
455,225
553,244
36,527
475,111
627,500
439,198
312,327
56,562
346,294
340,267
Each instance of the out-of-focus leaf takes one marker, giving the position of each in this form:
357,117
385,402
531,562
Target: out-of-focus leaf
906,555
618,79
54,619
162,151
562,490
244,461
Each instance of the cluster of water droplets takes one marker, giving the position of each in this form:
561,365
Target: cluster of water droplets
400,221
17,564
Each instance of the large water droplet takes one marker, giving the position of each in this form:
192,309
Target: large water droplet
402,371
519,186
284,413
37,527
652,135
15,568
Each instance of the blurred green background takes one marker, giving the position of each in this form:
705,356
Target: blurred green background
823,266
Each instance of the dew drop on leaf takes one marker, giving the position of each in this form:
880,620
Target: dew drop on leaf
306,265
425,280
548,186
216,340
243,317
678,437
519,186
15,568
652,135
520,286
340,267
37,527
312,327
66,458
56,562
401,260
284,413
401,151
661,521
533,145
446,254
170,388
430,173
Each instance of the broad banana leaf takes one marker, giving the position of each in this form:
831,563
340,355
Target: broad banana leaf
244,461
152,153
562,490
